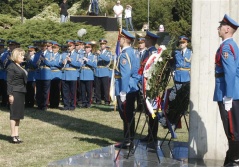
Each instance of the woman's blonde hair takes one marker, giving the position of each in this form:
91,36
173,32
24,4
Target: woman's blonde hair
16,53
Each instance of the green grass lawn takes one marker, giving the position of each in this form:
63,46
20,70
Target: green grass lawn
54,134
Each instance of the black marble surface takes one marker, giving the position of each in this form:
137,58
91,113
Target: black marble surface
144,155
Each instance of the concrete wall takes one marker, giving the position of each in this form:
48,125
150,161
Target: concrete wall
207,139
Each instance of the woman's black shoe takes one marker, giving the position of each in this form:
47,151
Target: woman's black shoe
18,139
14,140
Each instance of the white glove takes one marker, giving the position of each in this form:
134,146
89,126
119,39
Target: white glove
122,96
227,101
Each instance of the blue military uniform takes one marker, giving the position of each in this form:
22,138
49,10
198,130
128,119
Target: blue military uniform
30,67
80,52
182,63
126,82
56,77
227,88
153,123
69,77
87,75
3,85
5,61
43,77
102,74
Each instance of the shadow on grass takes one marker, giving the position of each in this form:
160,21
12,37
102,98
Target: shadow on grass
100,142
4,137
78,125
103,108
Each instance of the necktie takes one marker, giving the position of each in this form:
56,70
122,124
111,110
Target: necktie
140,54
182,53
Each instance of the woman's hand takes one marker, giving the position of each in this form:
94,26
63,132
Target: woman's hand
11,99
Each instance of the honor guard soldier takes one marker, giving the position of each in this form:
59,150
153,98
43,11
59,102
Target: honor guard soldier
182,65
30,67
2,72
102,73
88,65
80,49
5,61
111,65
56,76
226,92
126,86
43,76
70,72
140,53
150,42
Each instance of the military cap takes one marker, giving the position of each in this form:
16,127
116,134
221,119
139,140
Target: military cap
31,48
55,44
88,44
64,46
70,42
229,21
141,40
77,42
103,40
183,38
2,41
11,42
127,35
151,35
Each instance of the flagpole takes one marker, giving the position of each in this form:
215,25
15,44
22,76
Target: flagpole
148,14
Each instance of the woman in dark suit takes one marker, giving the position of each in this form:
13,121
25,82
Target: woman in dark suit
16,89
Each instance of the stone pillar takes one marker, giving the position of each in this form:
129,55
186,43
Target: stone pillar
207,139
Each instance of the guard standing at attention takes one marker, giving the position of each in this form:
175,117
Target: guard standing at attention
70,67
150,42
102,73
43,76
88,65
226,92
126,86
56,76
5,61
31,78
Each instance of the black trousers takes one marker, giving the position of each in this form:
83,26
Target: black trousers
102,82
126,109
230,120
79,100
30,95
69,94
86,90
42,94
3,91
55,93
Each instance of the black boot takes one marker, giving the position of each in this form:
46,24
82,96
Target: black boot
127,142
226,161
233,153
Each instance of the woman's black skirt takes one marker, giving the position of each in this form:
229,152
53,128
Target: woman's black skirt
18,106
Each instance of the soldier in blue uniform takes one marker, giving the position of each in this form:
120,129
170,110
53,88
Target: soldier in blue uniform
80,50
126,86
30,67
179,94
56,76
140,52
226,91
150,42
102,73
88,64
70,67
43,75
2,50
5,61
